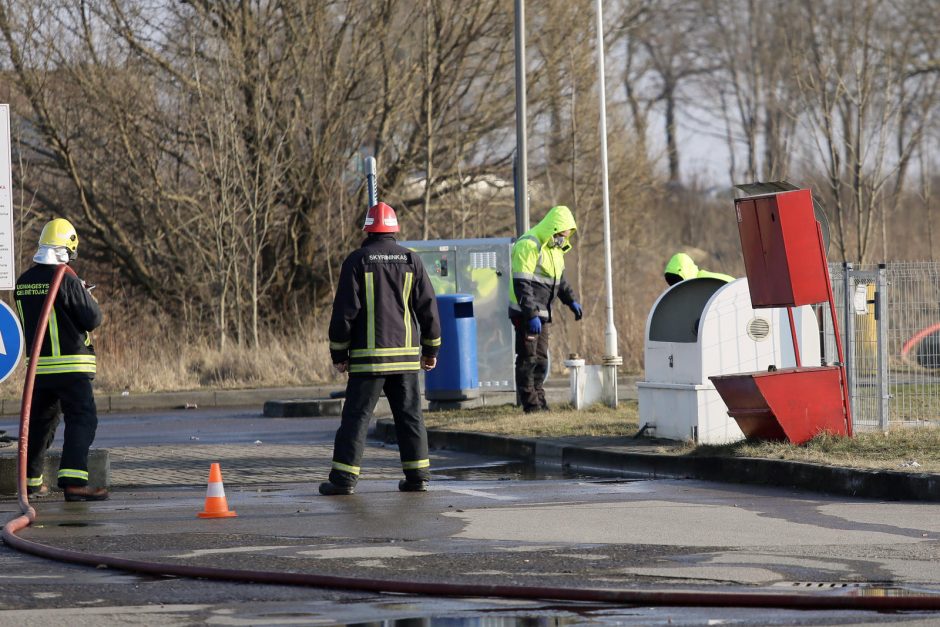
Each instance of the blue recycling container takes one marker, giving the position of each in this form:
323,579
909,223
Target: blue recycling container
455,378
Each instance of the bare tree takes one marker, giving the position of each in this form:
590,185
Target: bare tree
853,64
209,146
752,85
665,50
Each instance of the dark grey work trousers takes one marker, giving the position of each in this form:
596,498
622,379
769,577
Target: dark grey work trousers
531,365
404,397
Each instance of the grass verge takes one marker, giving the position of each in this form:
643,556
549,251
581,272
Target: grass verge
908,450
562,421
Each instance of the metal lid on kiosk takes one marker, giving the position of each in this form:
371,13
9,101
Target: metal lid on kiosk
679,310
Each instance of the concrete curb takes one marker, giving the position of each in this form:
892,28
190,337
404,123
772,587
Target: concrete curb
886,485
197,398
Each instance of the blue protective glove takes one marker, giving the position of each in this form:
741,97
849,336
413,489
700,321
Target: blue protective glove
576,308
535,325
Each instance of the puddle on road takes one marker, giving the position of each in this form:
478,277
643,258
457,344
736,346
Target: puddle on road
520,471
470,621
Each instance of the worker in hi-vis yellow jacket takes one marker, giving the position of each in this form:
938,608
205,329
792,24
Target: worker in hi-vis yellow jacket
538,276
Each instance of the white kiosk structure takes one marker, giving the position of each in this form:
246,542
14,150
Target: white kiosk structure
703,327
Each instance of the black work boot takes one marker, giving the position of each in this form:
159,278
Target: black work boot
328,488
406,485
75,493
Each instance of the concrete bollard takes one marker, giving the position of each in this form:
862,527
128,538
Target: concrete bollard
303,408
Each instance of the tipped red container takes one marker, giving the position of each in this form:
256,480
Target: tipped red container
790,404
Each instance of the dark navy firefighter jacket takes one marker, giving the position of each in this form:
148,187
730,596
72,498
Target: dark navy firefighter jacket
66,347
384,312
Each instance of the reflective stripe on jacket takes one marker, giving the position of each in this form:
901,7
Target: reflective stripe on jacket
538,267
384,312
66,347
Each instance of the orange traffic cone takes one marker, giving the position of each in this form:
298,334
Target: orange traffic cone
216,505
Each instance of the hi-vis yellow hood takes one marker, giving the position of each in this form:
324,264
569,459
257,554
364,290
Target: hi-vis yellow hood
682,265
559,218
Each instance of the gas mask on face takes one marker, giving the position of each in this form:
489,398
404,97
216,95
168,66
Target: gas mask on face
558,240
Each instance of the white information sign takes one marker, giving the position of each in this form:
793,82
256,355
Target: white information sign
860,299
7,271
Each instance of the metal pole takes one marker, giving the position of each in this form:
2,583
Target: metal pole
611,358
881,319
848,318
522,170
7,230
370,181
796,344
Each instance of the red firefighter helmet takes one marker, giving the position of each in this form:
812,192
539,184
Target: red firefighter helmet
381,219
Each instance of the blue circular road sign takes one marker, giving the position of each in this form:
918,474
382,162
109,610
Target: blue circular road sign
11,341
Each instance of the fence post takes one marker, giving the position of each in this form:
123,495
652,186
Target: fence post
881,320
848,324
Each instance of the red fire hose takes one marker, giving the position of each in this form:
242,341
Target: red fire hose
865,600
25,406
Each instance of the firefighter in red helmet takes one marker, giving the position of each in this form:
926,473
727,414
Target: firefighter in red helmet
384,330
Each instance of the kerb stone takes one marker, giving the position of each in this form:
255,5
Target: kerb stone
99,469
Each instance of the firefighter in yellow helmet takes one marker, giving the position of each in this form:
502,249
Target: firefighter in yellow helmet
681,267
538,277
66,365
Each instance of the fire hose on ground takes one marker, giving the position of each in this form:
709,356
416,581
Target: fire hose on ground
863,601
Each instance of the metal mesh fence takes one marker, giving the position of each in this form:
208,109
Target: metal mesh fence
891,342
914,342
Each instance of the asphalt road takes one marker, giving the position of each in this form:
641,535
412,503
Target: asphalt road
209,426
481,522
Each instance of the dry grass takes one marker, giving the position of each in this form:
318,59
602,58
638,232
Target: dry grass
597,420
909,450
143,353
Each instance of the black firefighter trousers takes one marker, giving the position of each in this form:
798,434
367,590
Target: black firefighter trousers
74,395
404,397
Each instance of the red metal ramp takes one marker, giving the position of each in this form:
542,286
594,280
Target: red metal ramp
792,404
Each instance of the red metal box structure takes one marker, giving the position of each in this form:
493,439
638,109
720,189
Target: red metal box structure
793,404
785,264
785,261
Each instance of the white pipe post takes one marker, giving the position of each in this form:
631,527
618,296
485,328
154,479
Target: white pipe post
611,358
370,182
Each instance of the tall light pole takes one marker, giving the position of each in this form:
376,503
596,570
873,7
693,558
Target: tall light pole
611,357
521,171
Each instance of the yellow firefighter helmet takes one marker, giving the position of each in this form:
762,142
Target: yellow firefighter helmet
60,233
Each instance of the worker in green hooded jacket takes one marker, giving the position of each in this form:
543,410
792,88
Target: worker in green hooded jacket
681,267
538,277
